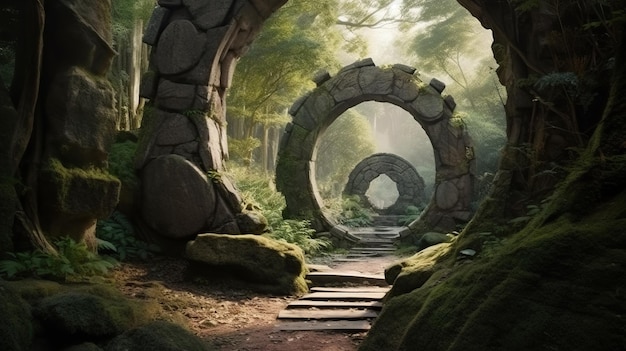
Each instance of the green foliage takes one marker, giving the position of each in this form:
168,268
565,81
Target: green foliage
259,190
299,232
74,260
348,140
411,213
353,214
118,239
241,149
121,162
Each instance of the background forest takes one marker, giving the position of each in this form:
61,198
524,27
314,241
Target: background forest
540,264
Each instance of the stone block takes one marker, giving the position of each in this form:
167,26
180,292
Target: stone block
437,85
149,84
373,80
177,197
180,48
208,14
207,70
157,22
321,77
346,86
449,100
175,130
404,68
179,97
429,106
406,87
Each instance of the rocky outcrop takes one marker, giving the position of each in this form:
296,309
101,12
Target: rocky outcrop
263,264
409,183
79,114
196,45
44,315
401,86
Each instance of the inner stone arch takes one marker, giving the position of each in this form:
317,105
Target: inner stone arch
380,185
398,85
409,183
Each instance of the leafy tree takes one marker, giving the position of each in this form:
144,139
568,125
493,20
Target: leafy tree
295,43
450,44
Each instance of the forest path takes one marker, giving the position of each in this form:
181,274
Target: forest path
347,296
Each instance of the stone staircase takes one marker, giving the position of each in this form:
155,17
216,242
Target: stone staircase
340,299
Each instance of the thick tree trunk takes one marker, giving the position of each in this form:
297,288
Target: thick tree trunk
538,50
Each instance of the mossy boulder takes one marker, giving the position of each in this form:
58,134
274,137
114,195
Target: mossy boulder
413,272
87,346
91,314
265,264
157,336
16,329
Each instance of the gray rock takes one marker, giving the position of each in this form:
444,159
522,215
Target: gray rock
180,48
158,335
177,197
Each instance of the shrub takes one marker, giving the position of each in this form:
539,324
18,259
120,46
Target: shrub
120,233
259,189
74,260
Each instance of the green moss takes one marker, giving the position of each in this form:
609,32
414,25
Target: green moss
265,264
91,312
121,163
16,329
32,290
551,286
158,335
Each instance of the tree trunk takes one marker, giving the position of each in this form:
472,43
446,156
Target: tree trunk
542,123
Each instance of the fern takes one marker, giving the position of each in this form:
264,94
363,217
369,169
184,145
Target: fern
74,260
117,236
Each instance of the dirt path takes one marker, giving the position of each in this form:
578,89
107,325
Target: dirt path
234,319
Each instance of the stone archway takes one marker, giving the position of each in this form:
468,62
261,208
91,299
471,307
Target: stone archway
398,85
410,184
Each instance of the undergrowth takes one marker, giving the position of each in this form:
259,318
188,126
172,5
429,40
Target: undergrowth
120,233
73,261
259,189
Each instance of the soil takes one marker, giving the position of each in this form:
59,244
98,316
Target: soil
229,317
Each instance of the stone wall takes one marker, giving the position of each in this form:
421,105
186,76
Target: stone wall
182,148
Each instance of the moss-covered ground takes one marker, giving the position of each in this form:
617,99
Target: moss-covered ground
558,284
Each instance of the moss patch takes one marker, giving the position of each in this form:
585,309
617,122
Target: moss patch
555,286
16,329
158,335
267,265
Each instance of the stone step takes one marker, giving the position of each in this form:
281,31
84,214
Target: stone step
343,325
346,314
335,304
358,289
344,296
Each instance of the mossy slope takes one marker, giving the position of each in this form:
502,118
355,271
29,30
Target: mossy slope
558,284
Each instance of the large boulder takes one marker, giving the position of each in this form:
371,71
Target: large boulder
16,329
157,336
266,264
97,313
